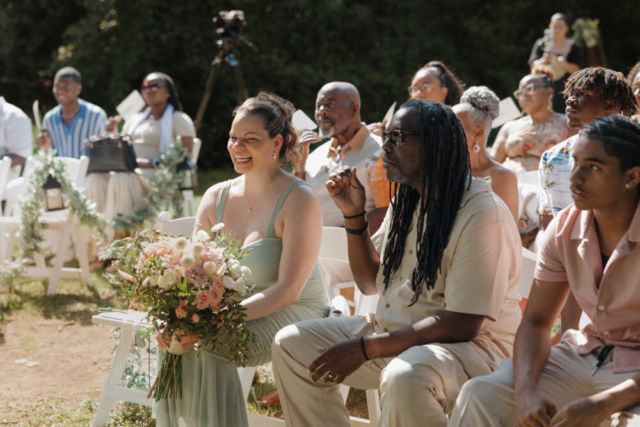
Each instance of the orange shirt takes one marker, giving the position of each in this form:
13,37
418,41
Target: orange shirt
610,298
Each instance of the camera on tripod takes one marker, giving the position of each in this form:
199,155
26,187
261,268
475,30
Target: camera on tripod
229,23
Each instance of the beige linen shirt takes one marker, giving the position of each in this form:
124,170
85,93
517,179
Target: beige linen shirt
479,274
355,154
609,297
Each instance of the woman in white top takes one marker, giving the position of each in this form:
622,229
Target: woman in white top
151,131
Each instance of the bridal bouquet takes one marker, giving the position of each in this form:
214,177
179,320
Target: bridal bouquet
191,288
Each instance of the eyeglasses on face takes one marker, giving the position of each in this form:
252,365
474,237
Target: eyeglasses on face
396,136
530,88
425,88
636,90
150,86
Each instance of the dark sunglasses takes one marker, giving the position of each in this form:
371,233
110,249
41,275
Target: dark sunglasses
150,86
396,136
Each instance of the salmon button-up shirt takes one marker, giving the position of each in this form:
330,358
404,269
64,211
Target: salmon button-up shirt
610,298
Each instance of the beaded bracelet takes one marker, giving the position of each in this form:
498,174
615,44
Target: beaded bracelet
357,231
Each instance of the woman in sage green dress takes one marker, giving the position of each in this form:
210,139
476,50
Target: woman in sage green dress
278,218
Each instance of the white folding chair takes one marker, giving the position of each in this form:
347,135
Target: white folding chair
5,168
334,248
61,220
189,201
530,178
529,260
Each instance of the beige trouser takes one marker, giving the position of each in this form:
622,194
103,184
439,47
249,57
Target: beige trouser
417,388
489,401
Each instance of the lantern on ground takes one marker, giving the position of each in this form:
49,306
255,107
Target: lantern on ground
188,175
53,194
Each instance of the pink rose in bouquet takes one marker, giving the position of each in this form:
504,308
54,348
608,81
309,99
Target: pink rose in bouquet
210,254
181,311
196,275
216,292
161,249
203,300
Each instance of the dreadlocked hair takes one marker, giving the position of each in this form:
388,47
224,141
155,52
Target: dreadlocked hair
610,84
620,138
633,73
447,169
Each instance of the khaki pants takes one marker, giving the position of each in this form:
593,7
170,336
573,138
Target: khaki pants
417,388
490,401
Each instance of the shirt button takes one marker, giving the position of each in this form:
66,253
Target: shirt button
410,251
601,308
388,305
400,278
386,330
605,333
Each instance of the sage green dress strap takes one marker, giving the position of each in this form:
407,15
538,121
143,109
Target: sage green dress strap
212,394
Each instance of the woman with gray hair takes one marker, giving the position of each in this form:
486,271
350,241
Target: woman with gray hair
476,111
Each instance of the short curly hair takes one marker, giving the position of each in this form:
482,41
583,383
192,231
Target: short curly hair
608,83
620,137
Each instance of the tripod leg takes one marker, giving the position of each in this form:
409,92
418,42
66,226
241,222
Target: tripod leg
217,63
238,81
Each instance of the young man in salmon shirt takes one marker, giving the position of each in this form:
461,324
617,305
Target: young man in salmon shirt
592,377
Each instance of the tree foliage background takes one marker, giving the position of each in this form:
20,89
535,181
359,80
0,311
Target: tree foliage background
375,44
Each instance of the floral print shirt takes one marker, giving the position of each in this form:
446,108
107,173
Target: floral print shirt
555,169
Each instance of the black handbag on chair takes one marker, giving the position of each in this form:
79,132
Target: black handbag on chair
111,154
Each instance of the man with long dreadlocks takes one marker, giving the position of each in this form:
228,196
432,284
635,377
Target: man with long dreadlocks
445,262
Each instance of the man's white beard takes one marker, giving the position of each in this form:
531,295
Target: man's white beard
327,132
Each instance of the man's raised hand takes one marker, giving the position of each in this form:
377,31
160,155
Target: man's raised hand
347,192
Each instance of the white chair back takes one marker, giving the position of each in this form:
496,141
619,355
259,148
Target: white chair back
76,169
334,244
178,226
529,261
195,152
5,168
530,178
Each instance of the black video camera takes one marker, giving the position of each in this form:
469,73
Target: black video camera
229,23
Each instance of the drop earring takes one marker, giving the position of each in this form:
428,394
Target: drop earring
476,148
626,185
274,157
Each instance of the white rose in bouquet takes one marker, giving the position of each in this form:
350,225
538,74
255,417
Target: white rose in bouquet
202,236
228,282
168,279
234,267
246,272
239,286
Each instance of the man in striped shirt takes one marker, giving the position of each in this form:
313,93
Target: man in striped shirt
73,121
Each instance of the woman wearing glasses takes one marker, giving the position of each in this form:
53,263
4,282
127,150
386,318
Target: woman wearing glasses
432,82
152,130
520,143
